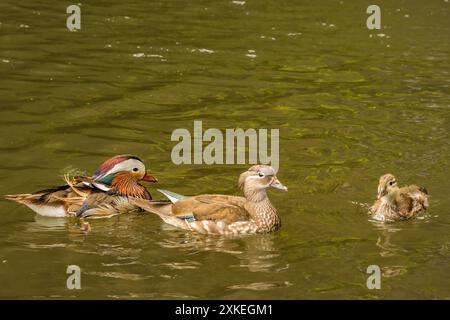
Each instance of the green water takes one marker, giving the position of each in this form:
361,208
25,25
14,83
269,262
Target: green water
351,104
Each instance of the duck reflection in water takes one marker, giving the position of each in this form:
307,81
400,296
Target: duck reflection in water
256,253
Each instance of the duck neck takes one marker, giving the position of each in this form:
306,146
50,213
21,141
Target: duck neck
388,206
127,185
262,210
389,199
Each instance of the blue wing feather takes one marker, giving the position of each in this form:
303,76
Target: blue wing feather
186,216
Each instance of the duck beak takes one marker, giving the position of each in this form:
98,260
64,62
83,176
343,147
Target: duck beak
277,184
381,192
149,178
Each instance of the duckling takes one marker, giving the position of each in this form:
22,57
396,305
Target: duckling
102,195
223,214
394,203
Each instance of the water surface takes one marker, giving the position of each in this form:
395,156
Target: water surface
351,104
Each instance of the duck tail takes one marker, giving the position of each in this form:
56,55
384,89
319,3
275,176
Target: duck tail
21,198
153,206
425,203
35,197
35,202
423,189
163,209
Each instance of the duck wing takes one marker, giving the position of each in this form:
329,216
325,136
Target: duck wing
101,201
227,209
102,205
411,200
203,214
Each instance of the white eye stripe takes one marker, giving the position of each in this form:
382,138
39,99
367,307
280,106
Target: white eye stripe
251,177
126,165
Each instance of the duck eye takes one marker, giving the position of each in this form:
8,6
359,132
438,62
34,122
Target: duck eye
391,183
261,174
135,169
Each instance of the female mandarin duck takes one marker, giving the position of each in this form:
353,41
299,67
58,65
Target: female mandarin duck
222,214
102,195
396,203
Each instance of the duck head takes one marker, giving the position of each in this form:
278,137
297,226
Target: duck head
259,178
122,165
387,186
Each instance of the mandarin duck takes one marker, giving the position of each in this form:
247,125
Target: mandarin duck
102,195
394,203
223,214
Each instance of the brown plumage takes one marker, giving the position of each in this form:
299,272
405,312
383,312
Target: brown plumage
103,195
222,214
396,203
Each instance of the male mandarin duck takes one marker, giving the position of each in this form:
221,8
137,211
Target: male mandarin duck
223,214
102,195
396,203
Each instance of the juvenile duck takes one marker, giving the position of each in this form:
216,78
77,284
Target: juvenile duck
396,203
223,214
102,195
